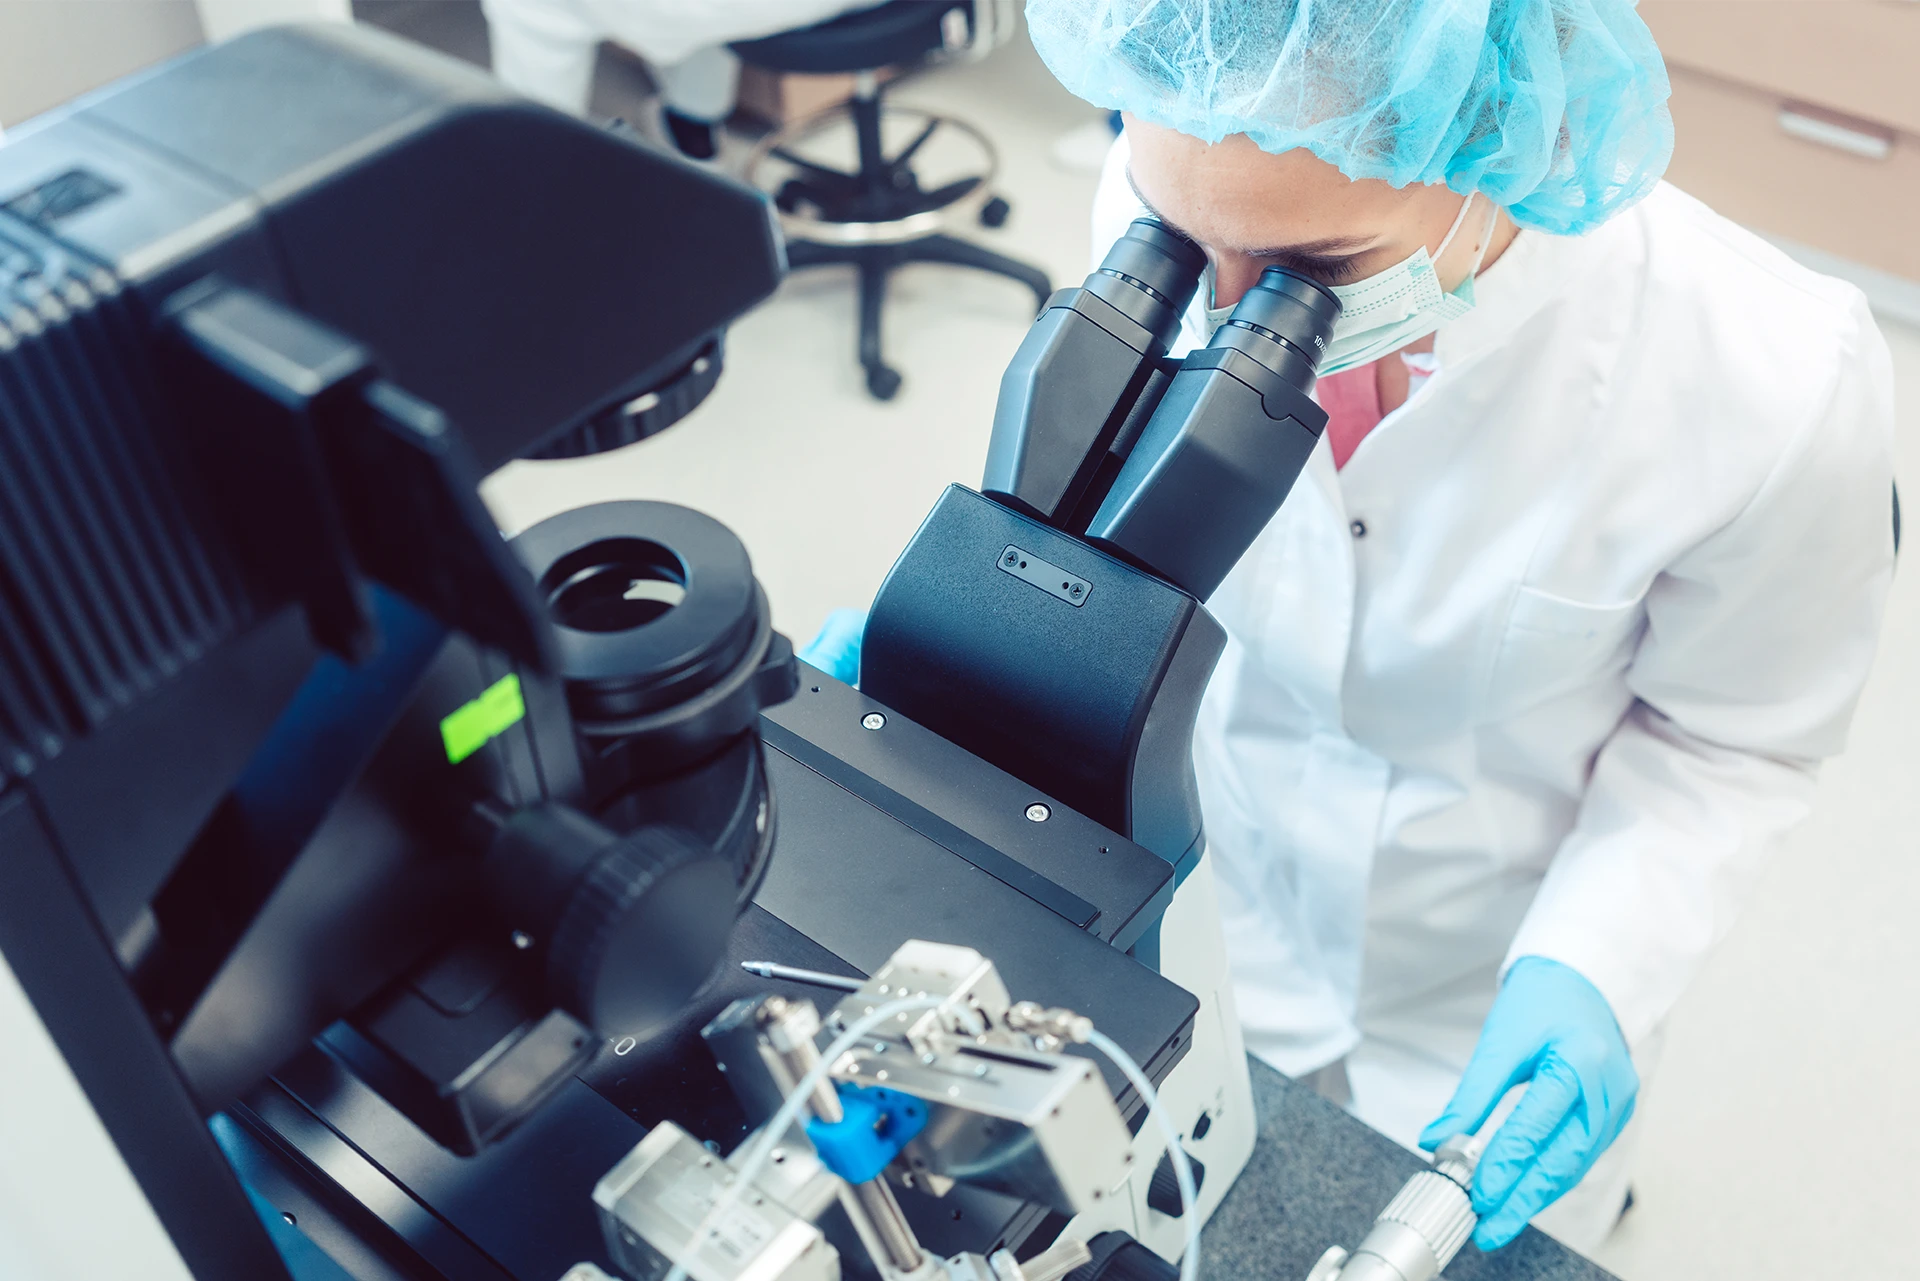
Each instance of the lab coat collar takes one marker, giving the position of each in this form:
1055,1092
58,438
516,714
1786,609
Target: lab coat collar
1536,268
1324,475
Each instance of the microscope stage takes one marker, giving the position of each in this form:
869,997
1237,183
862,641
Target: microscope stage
884,835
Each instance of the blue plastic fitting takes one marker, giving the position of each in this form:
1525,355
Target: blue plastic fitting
877,1124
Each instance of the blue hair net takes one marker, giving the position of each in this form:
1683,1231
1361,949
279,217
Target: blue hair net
1556,109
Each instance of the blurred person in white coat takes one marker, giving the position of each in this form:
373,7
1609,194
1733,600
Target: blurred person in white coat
545,49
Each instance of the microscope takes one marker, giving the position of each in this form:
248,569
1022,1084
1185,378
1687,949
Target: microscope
466,900
1051,624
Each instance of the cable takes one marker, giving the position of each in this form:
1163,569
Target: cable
1182,1167
790,1107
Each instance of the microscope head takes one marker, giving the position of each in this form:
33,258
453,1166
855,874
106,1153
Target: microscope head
1069,395
1053,623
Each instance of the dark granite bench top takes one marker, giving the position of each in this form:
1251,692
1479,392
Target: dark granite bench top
1317,1178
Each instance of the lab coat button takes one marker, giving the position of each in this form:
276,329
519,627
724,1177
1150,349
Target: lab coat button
1359,528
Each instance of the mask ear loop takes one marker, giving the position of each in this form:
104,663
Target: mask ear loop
1486,240
1459,220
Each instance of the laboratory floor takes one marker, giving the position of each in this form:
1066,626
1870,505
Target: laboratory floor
1778,1135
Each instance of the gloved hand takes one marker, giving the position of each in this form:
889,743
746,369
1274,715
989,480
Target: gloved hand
1551,1027
836,650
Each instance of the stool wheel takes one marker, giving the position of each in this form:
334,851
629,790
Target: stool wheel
994,212
792,194
882,383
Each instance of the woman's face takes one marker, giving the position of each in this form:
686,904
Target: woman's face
1251,210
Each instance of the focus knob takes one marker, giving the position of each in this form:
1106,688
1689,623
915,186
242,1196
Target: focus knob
1118,1257
1163,1191
630,925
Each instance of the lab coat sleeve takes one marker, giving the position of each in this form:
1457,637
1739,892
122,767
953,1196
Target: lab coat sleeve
1758,642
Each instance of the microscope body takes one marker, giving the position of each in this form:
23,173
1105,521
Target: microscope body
1037,656
1053,624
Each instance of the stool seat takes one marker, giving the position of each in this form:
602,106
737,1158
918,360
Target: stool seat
887,35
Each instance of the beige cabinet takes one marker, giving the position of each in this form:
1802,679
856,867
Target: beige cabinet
53,50
1801,118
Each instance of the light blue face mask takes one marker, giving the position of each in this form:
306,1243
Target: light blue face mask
1385,312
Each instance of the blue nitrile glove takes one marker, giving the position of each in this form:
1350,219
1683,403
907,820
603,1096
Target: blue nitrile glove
1551,1027
836,650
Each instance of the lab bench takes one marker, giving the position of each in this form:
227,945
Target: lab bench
1318,1177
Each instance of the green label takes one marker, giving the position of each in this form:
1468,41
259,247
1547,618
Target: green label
476,724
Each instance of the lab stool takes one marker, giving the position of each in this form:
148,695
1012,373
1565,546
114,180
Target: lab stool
878,216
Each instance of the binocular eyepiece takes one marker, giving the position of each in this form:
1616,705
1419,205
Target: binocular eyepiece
1284,322
1173,467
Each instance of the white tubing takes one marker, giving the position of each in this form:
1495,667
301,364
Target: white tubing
1182,1167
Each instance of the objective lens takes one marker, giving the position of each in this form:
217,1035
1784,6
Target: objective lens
654,605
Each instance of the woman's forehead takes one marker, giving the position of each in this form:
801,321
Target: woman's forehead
1231,195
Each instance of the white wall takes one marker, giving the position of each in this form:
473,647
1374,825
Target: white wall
226,18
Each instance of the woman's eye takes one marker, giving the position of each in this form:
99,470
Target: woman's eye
1335,272
1328,271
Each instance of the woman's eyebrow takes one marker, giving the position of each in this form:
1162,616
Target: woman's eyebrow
1325,248
1331,248
1164,221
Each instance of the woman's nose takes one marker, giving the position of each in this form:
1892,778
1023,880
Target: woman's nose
1232,277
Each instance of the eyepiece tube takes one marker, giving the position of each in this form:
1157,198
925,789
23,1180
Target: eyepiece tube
1082,369
1151,274
1285,322
1227,440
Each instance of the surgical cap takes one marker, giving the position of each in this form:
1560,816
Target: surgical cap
1556,109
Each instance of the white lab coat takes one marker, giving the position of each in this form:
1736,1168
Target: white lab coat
545,48
1620,582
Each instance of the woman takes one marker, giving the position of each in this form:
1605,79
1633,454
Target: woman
1541,655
